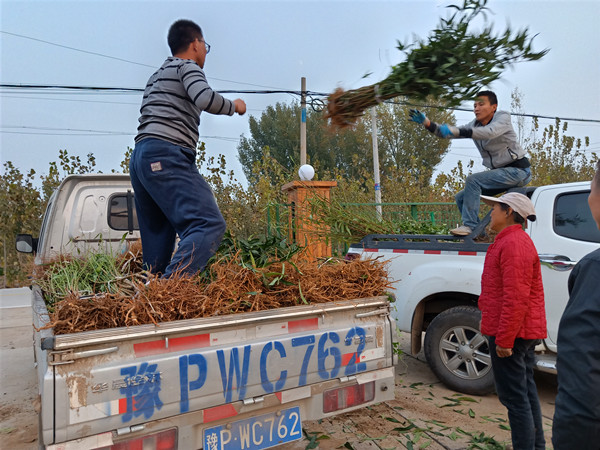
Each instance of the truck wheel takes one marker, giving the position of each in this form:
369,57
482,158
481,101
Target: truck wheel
458,353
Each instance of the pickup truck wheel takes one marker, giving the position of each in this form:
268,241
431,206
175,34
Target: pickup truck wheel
458,353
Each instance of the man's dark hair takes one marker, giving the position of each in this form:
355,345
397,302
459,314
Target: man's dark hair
490,95
181,34
516,216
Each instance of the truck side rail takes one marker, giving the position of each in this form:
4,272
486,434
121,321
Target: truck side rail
420,242
69,341
435,241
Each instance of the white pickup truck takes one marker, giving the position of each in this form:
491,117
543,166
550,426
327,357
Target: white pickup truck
242,381
437,281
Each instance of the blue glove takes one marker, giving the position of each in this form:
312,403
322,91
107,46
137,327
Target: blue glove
417,116
446,131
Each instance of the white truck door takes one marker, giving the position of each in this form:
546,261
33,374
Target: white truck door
563,233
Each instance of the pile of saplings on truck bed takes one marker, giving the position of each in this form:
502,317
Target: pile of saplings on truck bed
102,290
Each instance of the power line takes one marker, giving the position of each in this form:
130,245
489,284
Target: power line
539,116
273,91
141,90
116,58
70,130
72,100
277,90
50,131
76,49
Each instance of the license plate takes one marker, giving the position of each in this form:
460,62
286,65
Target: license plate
256,433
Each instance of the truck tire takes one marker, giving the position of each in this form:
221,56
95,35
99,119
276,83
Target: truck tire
458,353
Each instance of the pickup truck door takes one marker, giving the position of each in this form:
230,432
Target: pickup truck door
563,233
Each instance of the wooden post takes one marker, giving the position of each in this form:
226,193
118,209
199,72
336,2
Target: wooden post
303,231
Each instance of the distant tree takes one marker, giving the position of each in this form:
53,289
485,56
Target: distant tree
556,157
559,158
518,119
124,165
278,131
404,146
66,165
23,206
21,212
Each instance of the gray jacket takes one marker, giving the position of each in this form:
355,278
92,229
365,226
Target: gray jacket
496,141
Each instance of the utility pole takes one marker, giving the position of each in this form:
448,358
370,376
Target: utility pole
303,122
376,163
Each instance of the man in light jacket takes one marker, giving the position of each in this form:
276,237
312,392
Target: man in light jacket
496,140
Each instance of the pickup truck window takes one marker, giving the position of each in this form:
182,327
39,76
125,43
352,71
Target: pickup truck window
118,215
573,219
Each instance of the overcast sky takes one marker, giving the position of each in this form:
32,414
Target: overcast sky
256,46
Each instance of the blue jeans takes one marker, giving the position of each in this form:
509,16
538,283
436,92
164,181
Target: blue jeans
516,390
489,182
171,197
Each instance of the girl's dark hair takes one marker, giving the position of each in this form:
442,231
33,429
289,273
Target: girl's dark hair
516,216
181,34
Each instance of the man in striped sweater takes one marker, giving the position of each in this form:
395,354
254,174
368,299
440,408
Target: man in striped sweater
171,197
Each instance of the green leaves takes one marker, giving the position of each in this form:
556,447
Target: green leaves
256,251
452,64
95,273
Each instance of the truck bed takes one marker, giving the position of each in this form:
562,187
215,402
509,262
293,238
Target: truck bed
210,370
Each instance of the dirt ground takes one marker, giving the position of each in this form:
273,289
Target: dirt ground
424,413
18,383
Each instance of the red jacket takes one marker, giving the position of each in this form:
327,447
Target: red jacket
512,295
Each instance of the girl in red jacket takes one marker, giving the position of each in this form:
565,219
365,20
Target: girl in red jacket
513,315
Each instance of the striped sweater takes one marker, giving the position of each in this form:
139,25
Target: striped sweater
174,97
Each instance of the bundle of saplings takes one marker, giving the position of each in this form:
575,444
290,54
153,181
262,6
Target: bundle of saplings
459,57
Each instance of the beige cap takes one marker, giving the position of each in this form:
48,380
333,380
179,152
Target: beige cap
518,202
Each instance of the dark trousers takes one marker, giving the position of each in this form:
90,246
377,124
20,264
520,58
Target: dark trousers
171,197
516,390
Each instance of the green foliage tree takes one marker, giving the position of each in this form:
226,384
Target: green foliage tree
21,212
23,205
558,157
124,165
240,206
405,146
277,131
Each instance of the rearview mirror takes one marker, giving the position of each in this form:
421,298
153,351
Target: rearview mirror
26,243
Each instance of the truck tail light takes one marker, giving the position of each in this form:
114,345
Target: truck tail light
346,397
165,440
